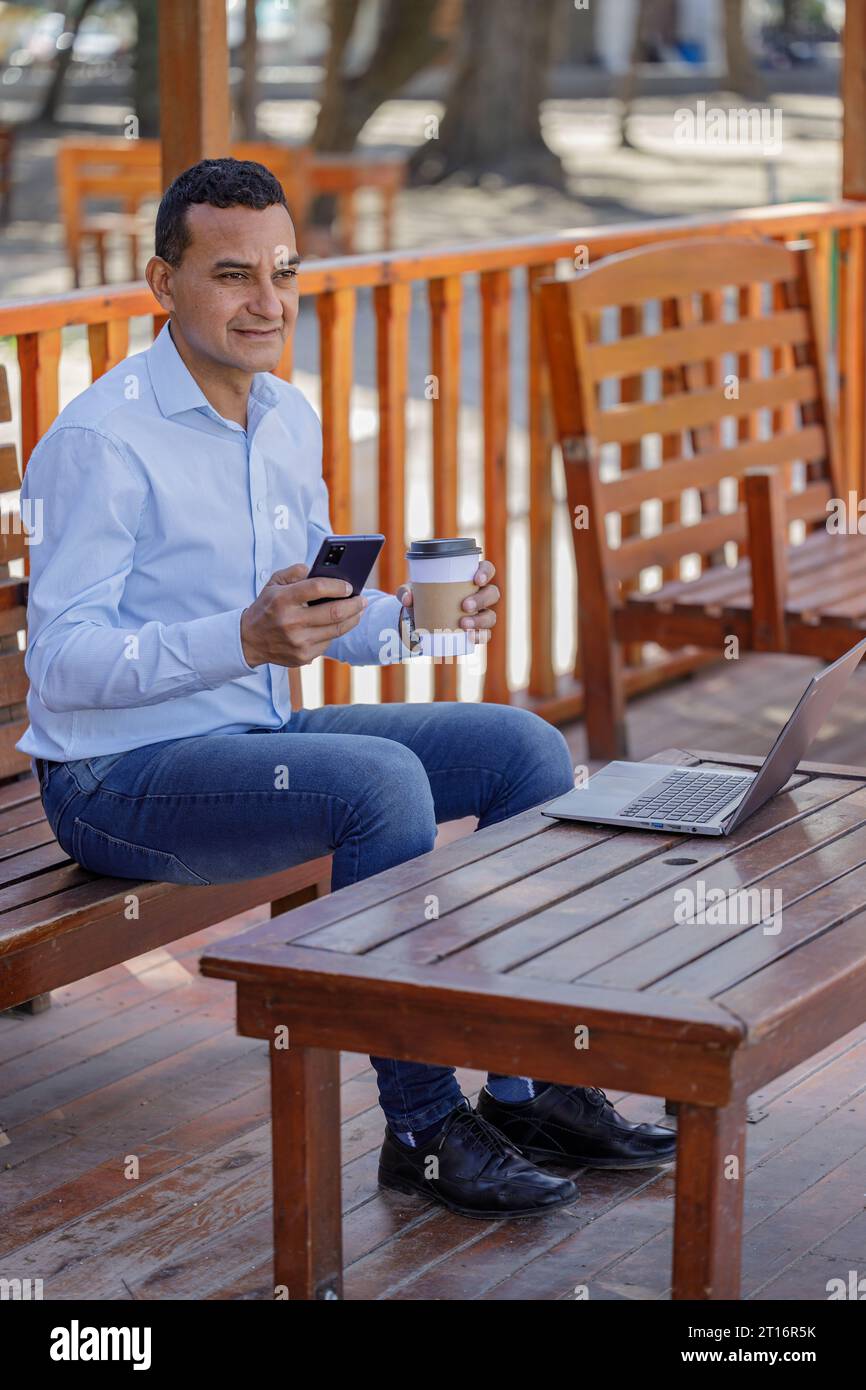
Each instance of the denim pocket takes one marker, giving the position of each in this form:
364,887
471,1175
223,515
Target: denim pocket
102,853
58,793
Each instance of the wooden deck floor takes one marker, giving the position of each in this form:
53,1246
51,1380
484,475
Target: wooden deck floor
134,1135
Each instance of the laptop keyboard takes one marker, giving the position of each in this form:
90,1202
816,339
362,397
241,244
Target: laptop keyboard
686,797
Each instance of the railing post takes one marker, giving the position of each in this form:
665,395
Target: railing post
194,83
108,343
336,310
445,299
542,678
496,371
851,366
392,304
39,361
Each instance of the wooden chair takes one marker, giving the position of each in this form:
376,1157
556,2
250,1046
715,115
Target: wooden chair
745,460
58,921
129,172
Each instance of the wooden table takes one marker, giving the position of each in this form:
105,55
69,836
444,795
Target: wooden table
550,935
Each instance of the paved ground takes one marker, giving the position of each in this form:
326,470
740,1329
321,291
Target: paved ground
661,177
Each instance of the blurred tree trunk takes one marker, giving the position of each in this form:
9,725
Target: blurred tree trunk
249,93
743,76
406,43
628,83
492,121
145,70
48,110
792,11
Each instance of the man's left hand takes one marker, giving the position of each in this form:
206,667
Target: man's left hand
478,607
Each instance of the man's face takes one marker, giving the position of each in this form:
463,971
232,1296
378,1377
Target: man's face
234,295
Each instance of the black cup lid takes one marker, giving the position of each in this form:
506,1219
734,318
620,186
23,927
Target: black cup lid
439,547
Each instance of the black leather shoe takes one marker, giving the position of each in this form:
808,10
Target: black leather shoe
477,1172
578,1125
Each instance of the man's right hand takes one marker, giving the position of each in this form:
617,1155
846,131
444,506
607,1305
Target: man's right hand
280,629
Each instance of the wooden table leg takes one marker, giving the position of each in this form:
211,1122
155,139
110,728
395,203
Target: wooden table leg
711,1173
305,1107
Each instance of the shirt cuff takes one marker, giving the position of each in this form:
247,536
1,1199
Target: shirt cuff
215,648
383,615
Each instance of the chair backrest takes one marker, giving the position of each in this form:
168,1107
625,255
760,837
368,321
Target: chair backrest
130,171
717,366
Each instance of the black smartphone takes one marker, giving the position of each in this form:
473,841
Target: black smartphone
346,557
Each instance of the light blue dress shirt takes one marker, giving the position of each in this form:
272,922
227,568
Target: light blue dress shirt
153,523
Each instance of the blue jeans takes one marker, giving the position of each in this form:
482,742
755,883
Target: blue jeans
366,782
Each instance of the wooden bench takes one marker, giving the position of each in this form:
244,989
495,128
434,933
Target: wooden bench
58,921
577,954
721,422
129,172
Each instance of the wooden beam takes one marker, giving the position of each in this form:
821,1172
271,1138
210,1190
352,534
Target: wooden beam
194,83
853,97
853,268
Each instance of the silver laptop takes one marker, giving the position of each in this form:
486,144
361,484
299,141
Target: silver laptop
702,800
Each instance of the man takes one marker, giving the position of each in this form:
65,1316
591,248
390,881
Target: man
182,505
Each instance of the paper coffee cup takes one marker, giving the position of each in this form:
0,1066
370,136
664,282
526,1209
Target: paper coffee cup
441,576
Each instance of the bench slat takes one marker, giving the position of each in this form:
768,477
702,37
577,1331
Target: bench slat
85,929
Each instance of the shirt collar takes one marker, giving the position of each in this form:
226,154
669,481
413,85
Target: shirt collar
177,390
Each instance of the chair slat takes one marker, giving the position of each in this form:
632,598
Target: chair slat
11,761
810,504
5,402
10,479
676,475
659,272
13,603
674,542
12,541
696,343
626,423
13,678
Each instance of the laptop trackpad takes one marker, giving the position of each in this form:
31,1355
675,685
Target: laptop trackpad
626,779
608,791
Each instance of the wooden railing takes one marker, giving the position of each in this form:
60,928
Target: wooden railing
836,229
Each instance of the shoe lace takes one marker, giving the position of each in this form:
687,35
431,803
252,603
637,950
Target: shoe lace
594,1095
480,1133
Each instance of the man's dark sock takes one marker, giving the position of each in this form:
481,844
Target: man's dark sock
514,1090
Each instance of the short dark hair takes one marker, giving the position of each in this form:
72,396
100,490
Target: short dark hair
222,183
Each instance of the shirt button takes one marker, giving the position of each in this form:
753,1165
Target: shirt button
263,574
260,506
